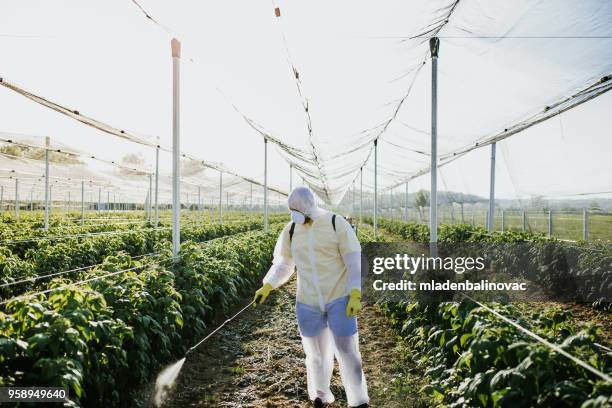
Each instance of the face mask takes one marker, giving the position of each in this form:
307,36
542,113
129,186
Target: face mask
298,217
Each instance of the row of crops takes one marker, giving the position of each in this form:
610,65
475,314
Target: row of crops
24,264
129,314
471,358
569,271
115,307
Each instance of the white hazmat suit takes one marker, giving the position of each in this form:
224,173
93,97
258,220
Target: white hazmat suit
328,259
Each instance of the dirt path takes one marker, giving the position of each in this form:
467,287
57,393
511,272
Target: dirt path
257,361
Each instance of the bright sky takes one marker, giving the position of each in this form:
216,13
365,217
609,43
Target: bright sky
105,59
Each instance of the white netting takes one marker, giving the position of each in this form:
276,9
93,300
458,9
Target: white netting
321,81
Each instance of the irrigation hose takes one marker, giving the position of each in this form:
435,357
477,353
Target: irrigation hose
550,345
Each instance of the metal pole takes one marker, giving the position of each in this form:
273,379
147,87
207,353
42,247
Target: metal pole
176,152
376,189
503,220
47,142
265,184
354,210
220,197
406,204
16,198
156,186
108,200
1,197
585,224
524,221
360,195
550,223
82,201
491,220
251,198
434,47
149,201
199,198
32,198
290,178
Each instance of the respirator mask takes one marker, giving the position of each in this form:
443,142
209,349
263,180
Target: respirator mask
298,217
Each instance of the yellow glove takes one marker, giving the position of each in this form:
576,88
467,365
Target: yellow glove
262,294
354,304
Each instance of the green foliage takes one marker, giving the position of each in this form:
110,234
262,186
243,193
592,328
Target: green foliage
104,338
52,256
476,360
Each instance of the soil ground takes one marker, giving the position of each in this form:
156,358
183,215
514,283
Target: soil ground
257,361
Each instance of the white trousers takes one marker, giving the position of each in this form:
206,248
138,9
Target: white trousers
320,351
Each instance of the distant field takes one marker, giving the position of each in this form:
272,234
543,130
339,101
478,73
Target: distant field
565,224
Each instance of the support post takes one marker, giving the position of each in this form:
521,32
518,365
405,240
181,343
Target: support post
99,198
265,185
491,220
16,198
251,197
375,189
1,197
354,207
360,195
156,187
503,220
47,142
150,200
290,178
550,223
220,197
176,151
199,198
585,224
524,221
406,204
434,47
82,202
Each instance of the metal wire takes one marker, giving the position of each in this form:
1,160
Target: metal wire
39,277
42,292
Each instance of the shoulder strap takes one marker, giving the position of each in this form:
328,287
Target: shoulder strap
291,230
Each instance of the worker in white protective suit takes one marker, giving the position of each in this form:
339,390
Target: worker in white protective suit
327,254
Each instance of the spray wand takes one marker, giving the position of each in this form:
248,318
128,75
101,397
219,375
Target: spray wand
165,380
198,344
